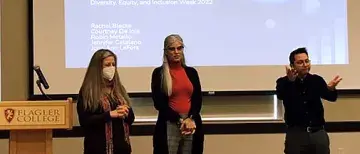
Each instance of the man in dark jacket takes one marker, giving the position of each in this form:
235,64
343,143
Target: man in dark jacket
301,93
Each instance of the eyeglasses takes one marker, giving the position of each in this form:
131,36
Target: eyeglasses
179,48
302,62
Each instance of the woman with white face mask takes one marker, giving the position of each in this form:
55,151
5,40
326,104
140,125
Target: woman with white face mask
103,107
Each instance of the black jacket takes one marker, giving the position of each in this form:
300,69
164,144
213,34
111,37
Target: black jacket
302,100
93,125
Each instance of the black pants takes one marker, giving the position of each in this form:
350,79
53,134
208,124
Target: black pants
300,141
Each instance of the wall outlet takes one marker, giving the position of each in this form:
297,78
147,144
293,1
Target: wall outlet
340,151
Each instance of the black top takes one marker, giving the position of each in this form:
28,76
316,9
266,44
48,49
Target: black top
302,100
161,103
93,124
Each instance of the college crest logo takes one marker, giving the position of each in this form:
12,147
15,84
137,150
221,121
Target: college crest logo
9,114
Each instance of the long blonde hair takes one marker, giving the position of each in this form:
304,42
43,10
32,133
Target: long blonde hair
166,80
94,83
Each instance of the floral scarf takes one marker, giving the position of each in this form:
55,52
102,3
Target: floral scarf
108,126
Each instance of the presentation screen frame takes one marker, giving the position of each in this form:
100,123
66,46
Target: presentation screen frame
31,73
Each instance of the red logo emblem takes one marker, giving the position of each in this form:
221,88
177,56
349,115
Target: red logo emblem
9,114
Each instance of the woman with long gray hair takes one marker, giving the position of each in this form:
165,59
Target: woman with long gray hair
103,107
176,93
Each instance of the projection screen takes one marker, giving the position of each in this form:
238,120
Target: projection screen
235,45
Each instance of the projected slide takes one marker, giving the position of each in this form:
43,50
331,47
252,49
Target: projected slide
215,32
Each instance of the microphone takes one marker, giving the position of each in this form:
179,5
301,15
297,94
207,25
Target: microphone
41,76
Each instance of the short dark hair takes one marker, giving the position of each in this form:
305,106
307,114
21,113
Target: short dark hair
295,52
